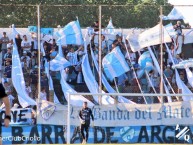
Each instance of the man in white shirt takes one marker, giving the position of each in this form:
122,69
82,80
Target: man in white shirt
26,45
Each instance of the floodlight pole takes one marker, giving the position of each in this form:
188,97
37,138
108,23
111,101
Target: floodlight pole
100,58
161,53
39,55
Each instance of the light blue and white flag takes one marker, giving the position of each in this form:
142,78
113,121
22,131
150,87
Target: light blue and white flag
114,64
179,82
60,52
145,62
149,37
91,82
32,29
106,84
159,71
186,12
189,76
47,34
75,100
173,15
71,34
59,63
50,82
42,49
17,76
110,28
170,29
47,31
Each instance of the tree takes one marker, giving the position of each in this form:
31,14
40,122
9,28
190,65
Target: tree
131,13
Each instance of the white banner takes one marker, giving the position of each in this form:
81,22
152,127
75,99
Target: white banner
130,115
19,116
148,38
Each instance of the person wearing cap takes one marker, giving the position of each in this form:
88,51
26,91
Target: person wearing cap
4,41
25,59
5,100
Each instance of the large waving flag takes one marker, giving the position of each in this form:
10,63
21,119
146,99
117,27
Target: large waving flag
46,34
17,77
173,15
170,29
114,64
71,34
148,38
91,82
106,84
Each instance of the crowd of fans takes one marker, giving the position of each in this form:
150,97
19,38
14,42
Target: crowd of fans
126,83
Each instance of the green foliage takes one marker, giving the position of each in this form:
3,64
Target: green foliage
131,13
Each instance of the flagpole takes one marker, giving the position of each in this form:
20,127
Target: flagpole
39,63
100,58
161,53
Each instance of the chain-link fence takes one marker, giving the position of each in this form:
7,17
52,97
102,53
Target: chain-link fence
126,19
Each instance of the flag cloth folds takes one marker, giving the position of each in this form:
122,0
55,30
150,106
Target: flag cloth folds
50,81
173,15
59,62
110,28
71,34
17,77
145,61
114,64
148,38
75,100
